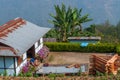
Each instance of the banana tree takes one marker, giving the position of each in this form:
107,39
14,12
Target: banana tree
66,20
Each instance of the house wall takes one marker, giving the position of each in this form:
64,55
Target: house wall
38,45
19,67
10,64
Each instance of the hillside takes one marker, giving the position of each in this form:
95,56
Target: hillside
37,11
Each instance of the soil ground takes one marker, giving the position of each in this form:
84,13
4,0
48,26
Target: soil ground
69,57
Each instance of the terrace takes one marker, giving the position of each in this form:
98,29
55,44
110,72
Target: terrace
62,69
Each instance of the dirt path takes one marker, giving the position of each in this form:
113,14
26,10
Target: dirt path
69,57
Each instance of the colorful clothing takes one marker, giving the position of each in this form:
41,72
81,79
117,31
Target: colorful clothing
32,60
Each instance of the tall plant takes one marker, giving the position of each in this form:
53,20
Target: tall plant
66,20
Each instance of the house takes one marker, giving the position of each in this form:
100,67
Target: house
84,40
19,39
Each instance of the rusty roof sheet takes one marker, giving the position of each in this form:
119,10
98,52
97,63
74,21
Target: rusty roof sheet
7,51
22,37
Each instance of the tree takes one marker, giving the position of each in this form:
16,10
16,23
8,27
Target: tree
66,20
118,30
91,29
51,34
108,32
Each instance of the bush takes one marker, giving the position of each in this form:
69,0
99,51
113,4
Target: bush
52,76
5,73
28,74
75,47
118,49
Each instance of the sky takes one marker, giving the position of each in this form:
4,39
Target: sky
37,11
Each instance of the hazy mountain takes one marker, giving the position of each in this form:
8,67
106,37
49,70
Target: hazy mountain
37,11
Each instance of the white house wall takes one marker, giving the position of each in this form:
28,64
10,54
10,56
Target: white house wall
38,46
21,65
24,56
41,40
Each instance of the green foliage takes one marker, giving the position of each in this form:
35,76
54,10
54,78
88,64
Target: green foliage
0,74
91,28
118,30
52,76
14,75
108,32
118,49
28,74
75,47
79,73
99,73
51,34
60,75
5,73
31,69
20,74
36,75
66,20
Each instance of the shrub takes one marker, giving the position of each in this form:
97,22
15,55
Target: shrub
26,67
20,74
43,53
118,49
60,75
5,73
27,70
75,47
52,76
28,74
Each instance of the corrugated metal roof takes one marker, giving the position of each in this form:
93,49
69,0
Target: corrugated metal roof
22,38
84,38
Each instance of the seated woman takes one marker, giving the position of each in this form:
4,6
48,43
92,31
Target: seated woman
34,62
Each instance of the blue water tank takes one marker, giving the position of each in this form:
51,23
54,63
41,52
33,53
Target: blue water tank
84,44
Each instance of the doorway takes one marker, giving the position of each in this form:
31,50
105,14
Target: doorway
31,52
